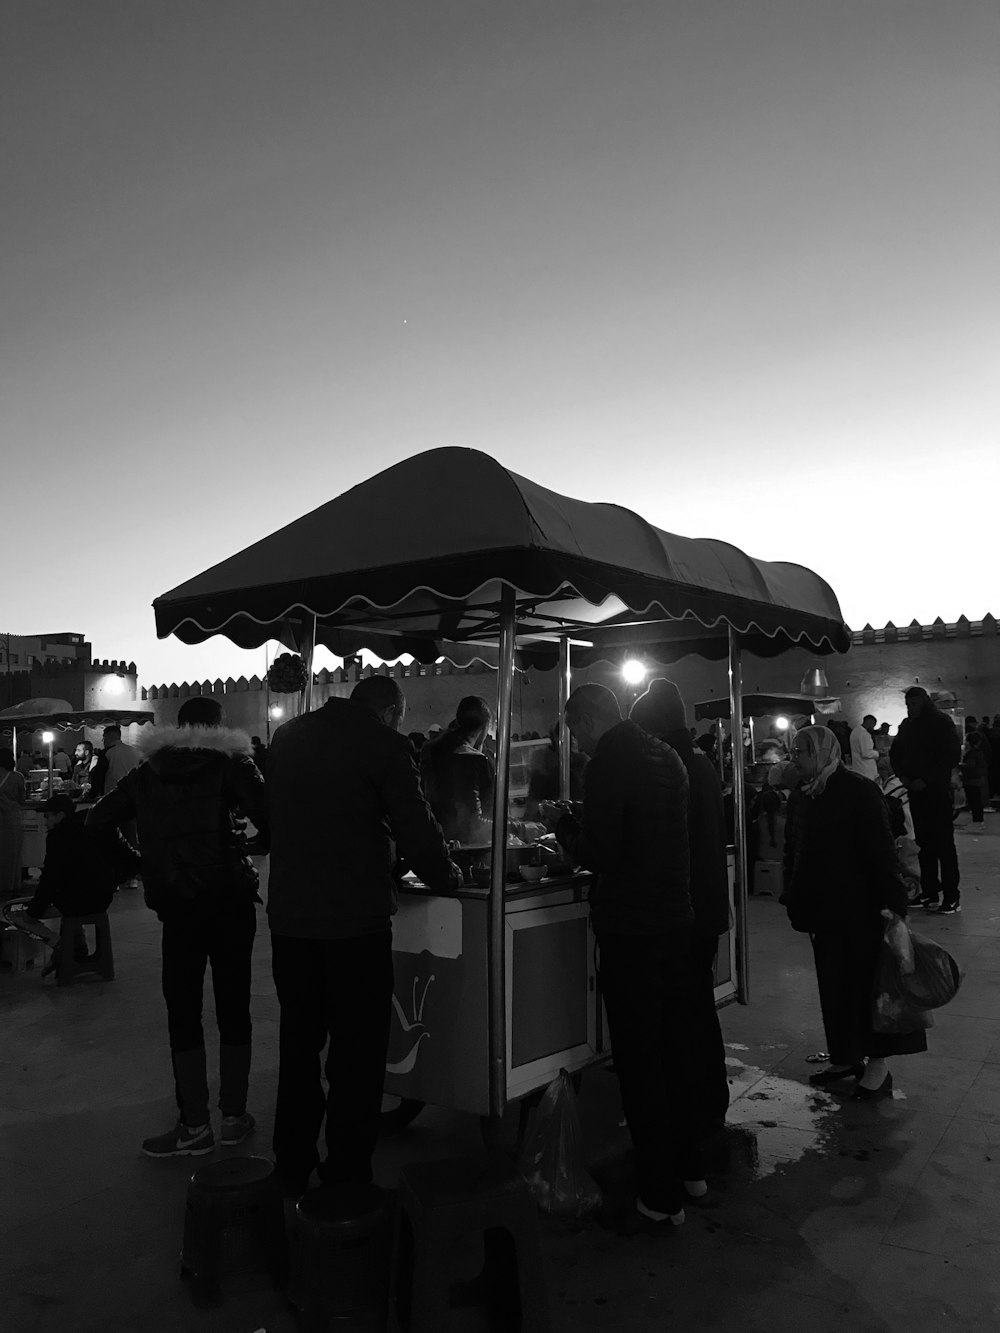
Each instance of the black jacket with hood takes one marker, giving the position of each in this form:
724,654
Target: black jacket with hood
634,834
183,799
926,747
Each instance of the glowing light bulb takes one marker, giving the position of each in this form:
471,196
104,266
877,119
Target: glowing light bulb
633,672
48,737
782,723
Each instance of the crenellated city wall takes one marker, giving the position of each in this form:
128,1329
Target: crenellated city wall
963,656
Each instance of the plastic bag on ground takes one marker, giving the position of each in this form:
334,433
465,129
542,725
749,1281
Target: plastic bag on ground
552,1158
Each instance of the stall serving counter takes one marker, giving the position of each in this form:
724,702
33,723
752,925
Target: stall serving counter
554,1018
496,987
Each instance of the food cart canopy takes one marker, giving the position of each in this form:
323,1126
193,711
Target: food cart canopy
61,716
767,705
416,559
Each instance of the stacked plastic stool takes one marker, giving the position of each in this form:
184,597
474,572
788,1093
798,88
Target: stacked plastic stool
466,1240
101,961
339,1251
234,1221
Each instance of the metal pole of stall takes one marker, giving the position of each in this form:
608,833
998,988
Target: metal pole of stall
495,920
720,737
563,733
739,820
308,652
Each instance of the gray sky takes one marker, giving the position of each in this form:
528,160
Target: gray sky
731,263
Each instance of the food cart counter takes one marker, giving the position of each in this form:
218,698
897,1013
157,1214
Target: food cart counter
439,1043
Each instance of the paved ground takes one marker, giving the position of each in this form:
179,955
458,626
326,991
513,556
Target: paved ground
869,1218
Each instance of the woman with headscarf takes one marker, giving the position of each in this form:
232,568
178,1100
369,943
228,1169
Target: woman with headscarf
840,875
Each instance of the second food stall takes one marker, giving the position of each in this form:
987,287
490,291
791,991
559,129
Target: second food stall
450,554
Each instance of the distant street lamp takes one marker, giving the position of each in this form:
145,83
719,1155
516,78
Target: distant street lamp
48,737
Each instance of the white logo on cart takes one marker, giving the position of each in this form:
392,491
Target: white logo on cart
413,1025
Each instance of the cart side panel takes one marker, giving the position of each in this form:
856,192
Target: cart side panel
438,1037
725,961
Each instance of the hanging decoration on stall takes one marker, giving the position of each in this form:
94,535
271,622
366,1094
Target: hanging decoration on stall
287,674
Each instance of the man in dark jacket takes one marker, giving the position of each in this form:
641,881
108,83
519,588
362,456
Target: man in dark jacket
81,871
344,801
661,712
203,887
634,835
925,752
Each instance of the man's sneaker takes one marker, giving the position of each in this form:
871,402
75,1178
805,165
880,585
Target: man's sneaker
949,909
236,1128
181,1141
929,903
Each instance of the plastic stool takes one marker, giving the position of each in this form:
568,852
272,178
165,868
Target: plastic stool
339,1249
101,961
466,1236
20,951
234,1220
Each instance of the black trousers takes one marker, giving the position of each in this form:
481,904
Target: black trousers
934,831
650,989
335,996
190,942
708,1048
974,797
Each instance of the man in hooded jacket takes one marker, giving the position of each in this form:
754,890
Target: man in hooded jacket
202,885
926,750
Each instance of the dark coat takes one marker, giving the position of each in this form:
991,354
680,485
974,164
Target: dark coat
975,768
185,798
343,792
840,858
634,834
83,866
458,784
926,747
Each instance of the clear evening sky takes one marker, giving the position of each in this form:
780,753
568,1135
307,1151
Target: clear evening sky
731,263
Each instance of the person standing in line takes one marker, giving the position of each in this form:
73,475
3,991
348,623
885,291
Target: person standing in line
122,758
119,759
634,834
13,794
864,754
975,775
660,712
202,885
344,802
840,876
924,755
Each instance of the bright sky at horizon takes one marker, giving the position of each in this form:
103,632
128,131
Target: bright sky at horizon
731,265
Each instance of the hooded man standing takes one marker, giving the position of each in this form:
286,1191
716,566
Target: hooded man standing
202,885
634,835
660,711
926,750
344,801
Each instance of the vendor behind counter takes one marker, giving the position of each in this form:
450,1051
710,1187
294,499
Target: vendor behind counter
457,776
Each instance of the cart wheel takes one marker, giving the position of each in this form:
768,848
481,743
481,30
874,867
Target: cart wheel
397,1113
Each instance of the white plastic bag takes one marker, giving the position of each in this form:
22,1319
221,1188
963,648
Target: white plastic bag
552,1158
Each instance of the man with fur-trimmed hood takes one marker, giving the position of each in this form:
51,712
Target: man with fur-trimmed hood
202,885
